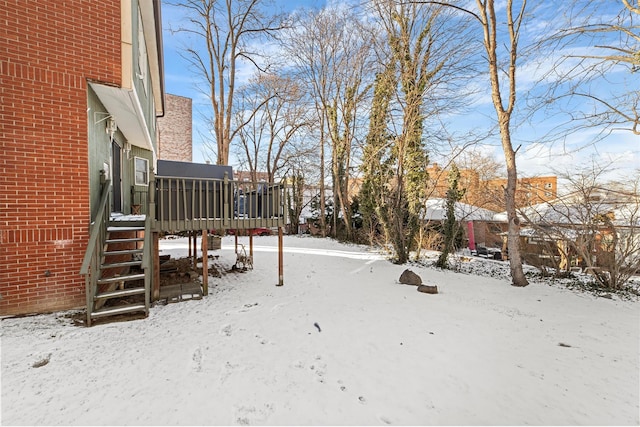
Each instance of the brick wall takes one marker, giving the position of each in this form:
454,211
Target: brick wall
48,50
175,129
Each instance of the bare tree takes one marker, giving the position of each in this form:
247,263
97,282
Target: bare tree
274,134
596,223
421,58
223,32
502,78
600,45
330,51
504,110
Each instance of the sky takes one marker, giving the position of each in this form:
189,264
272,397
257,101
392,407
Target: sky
620,149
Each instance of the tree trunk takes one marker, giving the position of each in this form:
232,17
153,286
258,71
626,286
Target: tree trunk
513,234
490,28
323,207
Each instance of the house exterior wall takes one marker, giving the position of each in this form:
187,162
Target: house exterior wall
487,233
175,130
54,142
100,148
47,53
137,194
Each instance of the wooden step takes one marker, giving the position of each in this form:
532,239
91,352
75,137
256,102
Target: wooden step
120,264
120,293
123,309
124,252
117,279
124,227
135,239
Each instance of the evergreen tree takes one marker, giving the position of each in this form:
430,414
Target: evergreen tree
395,163
451,227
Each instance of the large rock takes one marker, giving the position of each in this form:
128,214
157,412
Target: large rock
408,277
428,289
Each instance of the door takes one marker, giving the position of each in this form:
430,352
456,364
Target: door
116,170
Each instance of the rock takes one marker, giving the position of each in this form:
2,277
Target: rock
428,289
408,277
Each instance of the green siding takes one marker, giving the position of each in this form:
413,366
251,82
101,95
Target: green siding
140,191
99,141
142,85
99,147
100,154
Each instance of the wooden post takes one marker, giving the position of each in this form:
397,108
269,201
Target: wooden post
156,267
205,264
250,244
236,234
194,256
280,259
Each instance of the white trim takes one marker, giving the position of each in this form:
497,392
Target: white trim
135,171
124,105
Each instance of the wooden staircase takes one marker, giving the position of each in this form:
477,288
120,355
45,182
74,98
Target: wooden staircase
121,286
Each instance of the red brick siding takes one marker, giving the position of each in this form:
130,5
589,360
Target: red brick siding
48,51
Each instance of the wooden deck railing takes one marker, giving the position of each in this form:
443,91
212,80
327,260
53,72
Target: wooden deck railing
148,260
216,204
90,268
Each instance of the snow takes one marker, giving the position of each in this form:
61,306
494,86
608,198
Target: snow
436,210
479,352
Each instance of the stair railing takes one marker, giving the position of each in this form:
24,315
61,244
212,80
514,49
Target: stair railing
148,250
93,255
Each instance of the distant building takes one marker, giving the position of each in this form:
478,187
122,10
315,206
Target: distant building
175,130
247,176
479,225
489,193
469,180
529,191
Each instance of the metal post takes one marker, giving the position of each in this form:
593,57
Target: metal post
156,266
194,256
227,212
280,259
205,263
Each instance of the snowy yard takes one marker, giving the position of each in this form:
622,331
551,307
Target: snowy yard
340,343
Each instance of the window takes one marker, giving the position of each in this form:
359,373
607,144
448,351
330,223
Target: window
142,171
548,185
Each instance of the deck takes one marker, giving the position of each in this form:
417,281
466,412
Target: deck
171,204
189,204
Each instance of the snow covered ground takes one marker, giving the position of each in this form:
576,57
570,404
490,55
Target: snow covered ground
342,342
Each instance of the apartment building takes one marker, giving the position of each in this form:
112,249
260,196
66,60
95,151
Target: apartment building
175,129
489,193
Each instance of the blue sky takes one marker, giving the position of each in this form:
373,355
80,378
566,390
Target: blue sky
620,148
